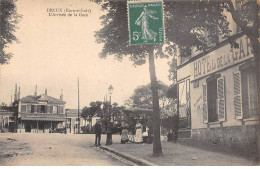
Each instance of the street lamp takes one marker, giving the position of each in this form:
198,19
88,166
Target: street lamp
109,127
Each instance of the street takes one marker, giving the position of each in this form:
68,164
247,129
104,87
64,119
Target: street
53,150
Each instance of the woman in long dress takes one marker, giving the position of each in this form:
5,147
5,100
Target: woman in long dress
139,132
124,134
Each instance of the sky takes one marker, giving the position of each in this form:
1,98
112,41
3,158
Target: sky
55,50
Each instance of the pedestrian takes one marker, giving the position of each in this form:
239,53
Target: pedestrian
124,133
98,131
138,132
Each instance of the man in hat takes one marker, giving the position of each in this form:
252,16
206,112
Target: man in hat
98,131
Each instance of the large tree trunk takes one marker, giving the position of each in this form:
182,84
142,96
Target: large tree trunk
157,148
255,45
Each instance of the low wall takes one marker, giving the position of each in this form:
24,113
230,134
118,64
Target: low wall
237,140
241,140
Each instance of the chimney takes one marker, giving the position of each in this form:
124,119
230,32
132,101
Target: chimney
61,96
35,93
15,93
46,92
19,93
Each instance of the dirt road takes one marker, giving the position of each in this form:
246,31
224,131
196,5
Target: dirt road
53,150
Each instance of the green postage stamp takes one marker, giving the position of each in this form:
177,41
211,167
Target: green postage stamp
145,21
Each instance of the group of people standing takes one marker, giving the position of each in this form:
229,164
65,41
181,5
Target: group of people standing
128,133
138,134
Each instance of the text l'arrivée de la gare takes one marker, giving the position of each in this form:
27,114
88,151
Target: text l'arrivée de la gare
66,12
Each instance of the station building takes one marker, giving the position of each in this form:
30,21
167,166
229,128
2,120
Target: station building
41,113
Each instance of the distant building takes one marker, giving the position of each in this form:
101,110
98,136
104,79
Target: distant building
71,120
41,113
6,121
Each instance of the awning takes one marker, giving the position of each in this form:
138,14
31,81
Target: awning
43,119
138,110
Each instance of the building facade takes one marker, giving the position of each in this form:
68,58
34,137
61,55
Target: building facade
41,114
6,121
72,120
217,93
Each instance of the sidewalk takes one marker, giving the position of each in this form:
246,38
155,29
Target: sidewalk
180,155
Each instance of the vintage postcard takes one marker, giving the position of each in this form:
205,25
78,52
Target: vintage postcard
129,83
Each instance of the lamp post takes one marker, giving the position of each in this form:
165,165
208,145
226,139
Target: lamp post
109,127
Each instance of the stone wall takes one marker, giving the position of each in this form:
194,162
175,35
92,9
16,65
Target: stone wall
241,140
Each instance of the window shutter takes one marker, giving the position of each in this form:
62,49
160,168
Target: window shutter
58,109
38,109
51,109
48,109
221,99
205,103
237,95
28,108
23,108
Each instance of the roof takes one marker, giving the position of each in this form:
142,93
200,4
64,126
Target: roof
138,110
72,111
41,98
6,112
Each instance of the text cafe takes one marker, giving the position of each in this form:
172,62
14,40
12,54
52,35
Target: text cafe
223,95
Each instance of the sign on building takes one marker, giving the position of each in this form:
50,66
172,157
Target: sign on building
145,21
222,58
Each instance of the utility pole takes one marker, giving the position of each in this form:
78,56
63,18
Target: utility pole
78,109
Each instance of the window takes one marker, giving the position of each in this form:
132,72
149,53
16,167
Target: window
32,108
213,97
51,109
43,109
38,108
245,92
55,109
61,109
23,108
58,109
185,54
28,108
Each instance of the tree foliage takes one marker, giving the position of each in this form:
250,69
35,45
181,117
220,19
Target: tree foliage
8,23
196,24
142,96
115,36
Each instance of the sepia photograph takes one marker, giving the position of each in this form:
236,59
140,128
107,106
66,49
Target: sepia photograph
129,83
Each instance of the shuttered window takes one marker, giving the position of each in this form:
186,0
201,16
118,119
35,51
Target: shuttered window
205,103
61,109
23,108
28,108
58,109
48,109
51,109
237,95
38,108
32,108
221,99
